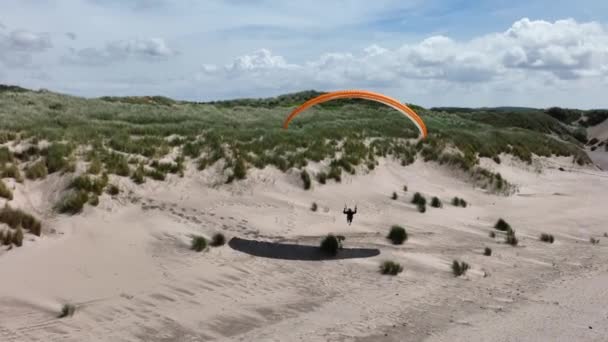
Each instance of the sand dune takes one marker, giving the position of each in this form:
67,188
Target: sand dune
127,267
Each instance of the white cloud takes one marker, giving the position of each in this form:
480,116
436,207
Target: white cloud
18,46
151,49
563,50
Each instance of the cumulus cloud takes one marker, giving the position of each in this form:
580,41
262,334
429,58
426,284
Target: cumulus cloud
151,49
18,46
563,50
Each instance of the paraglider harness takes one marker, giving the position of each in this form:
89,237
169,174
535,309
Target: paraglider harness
349,214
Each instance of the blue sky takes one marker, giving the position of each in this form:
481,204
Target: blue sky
463,53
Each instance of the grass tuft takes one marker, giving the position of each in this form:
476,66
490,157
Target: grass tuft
487,251
502,225
199,243
330,245
546,238
218,240
436,202
67,310
5,192
390,268
459,268
397,235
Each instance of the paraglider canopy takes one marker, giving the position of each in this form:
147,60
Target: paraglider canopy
360,94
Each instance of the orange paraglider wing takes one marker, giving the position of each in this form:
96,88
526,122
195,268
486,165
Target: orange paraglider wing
360,94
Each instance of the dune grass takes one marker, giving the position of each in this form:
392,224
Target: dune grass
330,245
397,235
218,240
546,238
390,268
198,243
459,268
246,133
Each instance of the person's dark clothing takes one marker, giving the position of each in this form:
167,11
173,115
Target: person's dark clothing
349,214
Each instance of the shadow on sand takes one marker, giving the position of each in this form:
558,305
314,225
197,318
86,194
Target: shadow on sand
276,250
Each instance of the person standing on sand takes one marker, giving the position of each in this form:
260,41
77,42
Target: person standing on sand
349,214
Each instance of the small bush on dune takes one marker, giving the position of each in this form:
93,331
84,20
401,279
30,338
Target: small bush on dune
314,206
405,188
436,203
511,239
12,171
594,241
94,167
67,310
94,200
487,251
305,179
5,192
394,196
456,201
330,245
113,190
240,170
502,225
546,238
73,202
422,208
390,268
418,199
139,174
18,237
492,235
218,240
322,177
199,243
7,238
459,268
397,235
36,170
463,203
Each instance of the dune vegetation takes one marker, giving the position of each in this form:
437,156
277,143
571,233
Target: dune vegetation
154,137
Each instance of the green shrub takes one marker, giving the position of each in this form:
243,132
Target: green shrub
18,237
36,170
94,200
487,251
397,235
394,196
218,240
5,192
6,156
547,238
73,202
492,235
57,157
436,202
421,208
314,206
330,245
88,184
12,171
322,177
7,238
113,190
390,268
502,225
67,310
240,170
199,243
306,179
418,199
94,167
156,174
511,239
496,159
335,173
463,203
455,201
18,218
405,188
459,268
138,175
594,241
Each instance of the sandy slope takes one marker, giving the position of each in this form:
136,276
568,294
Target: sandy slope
127,267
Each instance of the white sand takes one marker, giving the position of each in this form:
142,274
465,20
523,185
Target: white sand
127,267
